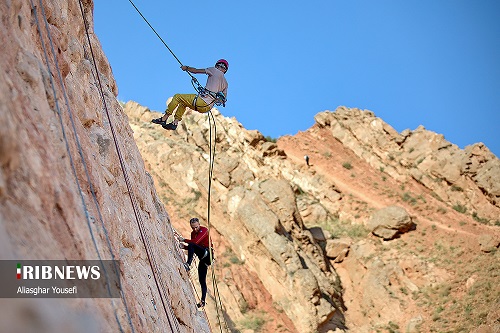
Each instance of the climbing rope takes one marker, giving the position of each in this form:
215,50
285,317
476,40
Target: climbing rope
72,162
152,262
219,99
210,175
218,301
158,35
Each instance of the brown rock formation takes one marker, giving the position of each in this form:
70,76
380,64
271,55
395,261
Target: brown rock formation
300,228
257,216
468,177
292,250
390,222
63,192
366,160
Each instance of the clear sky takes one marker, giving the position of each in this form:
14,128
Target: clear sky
434,63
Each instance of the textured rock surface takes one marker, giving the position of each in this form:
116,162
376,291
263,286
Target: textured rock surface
390,222
337,248
63,193
301,231
468,177
489,242
260,220
292,252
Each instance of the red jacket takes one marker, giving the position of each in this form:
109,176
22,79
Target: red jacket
200,238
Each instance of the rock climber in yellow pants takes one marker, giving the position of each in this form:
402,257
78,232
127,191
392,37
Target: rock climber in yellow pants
202,102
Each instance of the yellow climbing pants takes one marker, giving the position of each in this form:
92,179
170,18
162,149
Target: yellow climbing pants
183,101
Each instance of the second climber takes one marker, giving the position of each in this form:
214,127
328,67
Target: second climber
199,244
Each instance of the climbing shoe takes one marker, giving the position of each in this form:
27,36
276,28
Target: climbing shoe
201,304
169,126
158,121
187,267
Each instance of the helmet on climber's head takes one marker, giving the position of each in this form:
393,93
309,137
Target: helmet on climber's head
223,64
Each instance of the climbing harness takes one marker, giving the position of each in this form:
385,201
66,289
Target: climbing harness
218,97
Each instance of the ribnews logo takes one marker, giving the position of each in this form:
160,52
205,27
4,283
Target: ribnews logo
57,272
60,278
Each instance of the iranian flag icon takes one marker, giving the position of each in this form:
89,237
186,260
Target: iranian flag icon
19,271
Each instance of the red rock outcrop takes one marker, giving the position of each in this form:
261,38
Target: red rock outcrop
468,177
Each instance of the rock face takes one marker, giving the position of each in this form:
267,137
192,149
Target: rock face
468,177
73,183
268,208
283,222
337,249
255,206
489,242
389,222
81,179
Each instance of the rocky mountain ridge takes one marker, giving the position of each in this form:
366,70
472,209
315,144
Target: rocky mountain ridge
382,232
257,181
469,177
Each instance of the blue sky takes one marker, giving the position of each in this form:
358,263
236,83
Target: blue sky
434,63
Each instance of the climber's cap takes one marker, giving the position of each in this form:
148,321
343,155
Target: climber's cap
222,63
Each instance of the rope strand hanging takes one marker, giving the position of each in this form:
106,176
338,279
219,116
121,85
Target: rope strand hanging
218,302
79,147
170,315
159,37
199,88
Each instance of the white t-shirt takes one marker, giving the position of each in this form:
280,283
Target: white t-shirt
216,82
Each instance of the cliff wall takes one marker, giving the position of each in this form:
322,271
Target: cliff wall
73,183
